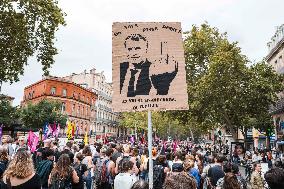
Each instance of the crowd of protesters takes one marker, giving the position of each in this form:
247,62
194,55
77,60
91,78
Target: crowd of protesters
125,165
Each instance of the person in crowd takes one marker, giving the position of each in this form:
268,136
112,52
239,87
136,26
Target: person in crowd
20,173
269,159
227,168
231,181
216,172
45,166
191,170
126,155
256,180
126,178
160,171
110,170
144,160
275,178
179,180
177,165
140,184
81,170
4,159
68,150
88,161
63,175
241,180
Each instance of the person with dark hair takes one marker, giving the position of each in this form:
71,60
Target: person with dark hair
236,171
63,175
88,161
140,184
216,172
231,182
45,166
126,178
177,165
159,172
179,180
275,178
257,181
81,170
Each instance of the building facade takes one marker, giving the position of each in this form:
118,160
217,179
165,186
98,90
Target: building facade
106,123
76,101
275,59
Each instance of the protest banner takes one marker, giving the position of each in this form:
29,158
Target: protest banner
148,67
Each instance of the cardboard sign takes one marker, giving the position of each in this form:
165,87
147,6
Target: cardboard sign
148,67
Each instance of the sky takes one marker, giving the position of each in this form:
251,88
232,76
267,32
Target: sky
86,41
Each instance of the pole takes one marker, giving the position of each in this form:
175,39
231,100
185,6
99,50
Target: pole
150,150
135,132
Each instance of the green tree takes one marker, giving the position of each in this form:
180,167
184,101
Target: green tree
223,89
27,27
8,113
37,115
160,122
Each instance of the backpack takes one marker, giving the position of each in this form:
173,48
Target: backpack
61,183
104,173
43,170
158,176
2,168
124,158
98,171
78,170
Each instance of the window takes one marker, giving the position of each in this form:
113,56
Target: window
83,111
275,61
53,91
83,97
64,92
73,108
63,108
79,96
87,100
78,111
280,59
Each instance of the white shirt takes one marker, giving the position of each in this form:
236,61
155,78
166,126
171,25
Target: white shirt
124,181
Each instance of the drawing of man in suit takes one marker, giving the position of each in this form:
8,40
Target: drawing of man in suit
135,72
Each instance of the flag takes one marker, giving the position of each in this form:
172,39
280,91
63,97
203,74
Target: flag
132,140
45,130
69,130
57,130
77,130
86,138
1,131
32,141
73,129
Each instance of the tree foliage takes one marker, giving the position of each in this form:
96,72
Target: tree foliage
37,115
8,113
27,27
162,124
223,88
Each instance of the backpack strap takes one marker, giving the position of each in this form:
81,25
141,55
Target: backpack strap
9,185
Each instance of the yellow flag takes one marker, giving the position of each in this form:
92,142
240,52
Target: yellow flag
86,138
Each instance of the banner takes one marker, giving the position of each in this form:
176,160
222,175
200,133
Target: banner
148,67
32,141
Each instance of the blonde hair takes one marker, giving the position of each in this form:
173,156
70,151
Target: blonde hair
21,166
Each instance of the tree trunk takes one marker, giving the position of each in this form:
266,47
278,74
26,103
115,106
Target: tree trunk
267,140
